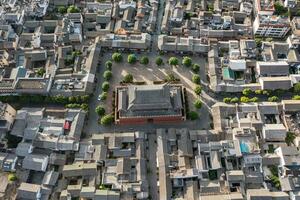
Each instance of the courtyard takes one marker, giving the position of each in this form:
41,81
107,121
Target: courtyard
148,74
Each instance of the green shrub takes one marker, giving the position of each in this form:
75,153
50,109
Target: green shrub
12,177
254,99
289,138
259,92
234,100
246,91
73,105
273,99
296,97
244,99
227,100
265,92
62,10
297,88
84,107
73,9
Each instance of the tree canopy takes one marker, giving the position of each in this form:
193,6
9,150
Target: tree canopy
173,61
187,61
100,110
158,61
73,9
105,86
107,120
131,59
144,60
117,57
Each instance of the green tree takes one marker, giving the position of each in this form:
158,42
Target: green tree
108,65
107,120
144,60
196,68
265,92
117,57
12,177
258,42
62,10
171,77
234,100
76,53
273,99
247,91
103,96
187,61
259,92
244,99
128,78
84,107
297,88
72,99
131,59
196,79
158,61
73,9
85,98
254,99
296,97
107,75
192,115
227,100
173,61
198,104
280,9
41,71
198,89
289,138
100,110
269,39
105,86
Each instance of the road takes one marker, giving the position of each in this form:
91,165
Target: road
92,125
151,170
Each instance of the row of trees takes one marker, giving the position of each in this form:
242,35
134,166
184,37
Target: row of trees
106,119
245,99
39,99
70,9
186,61
272,96
131,58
